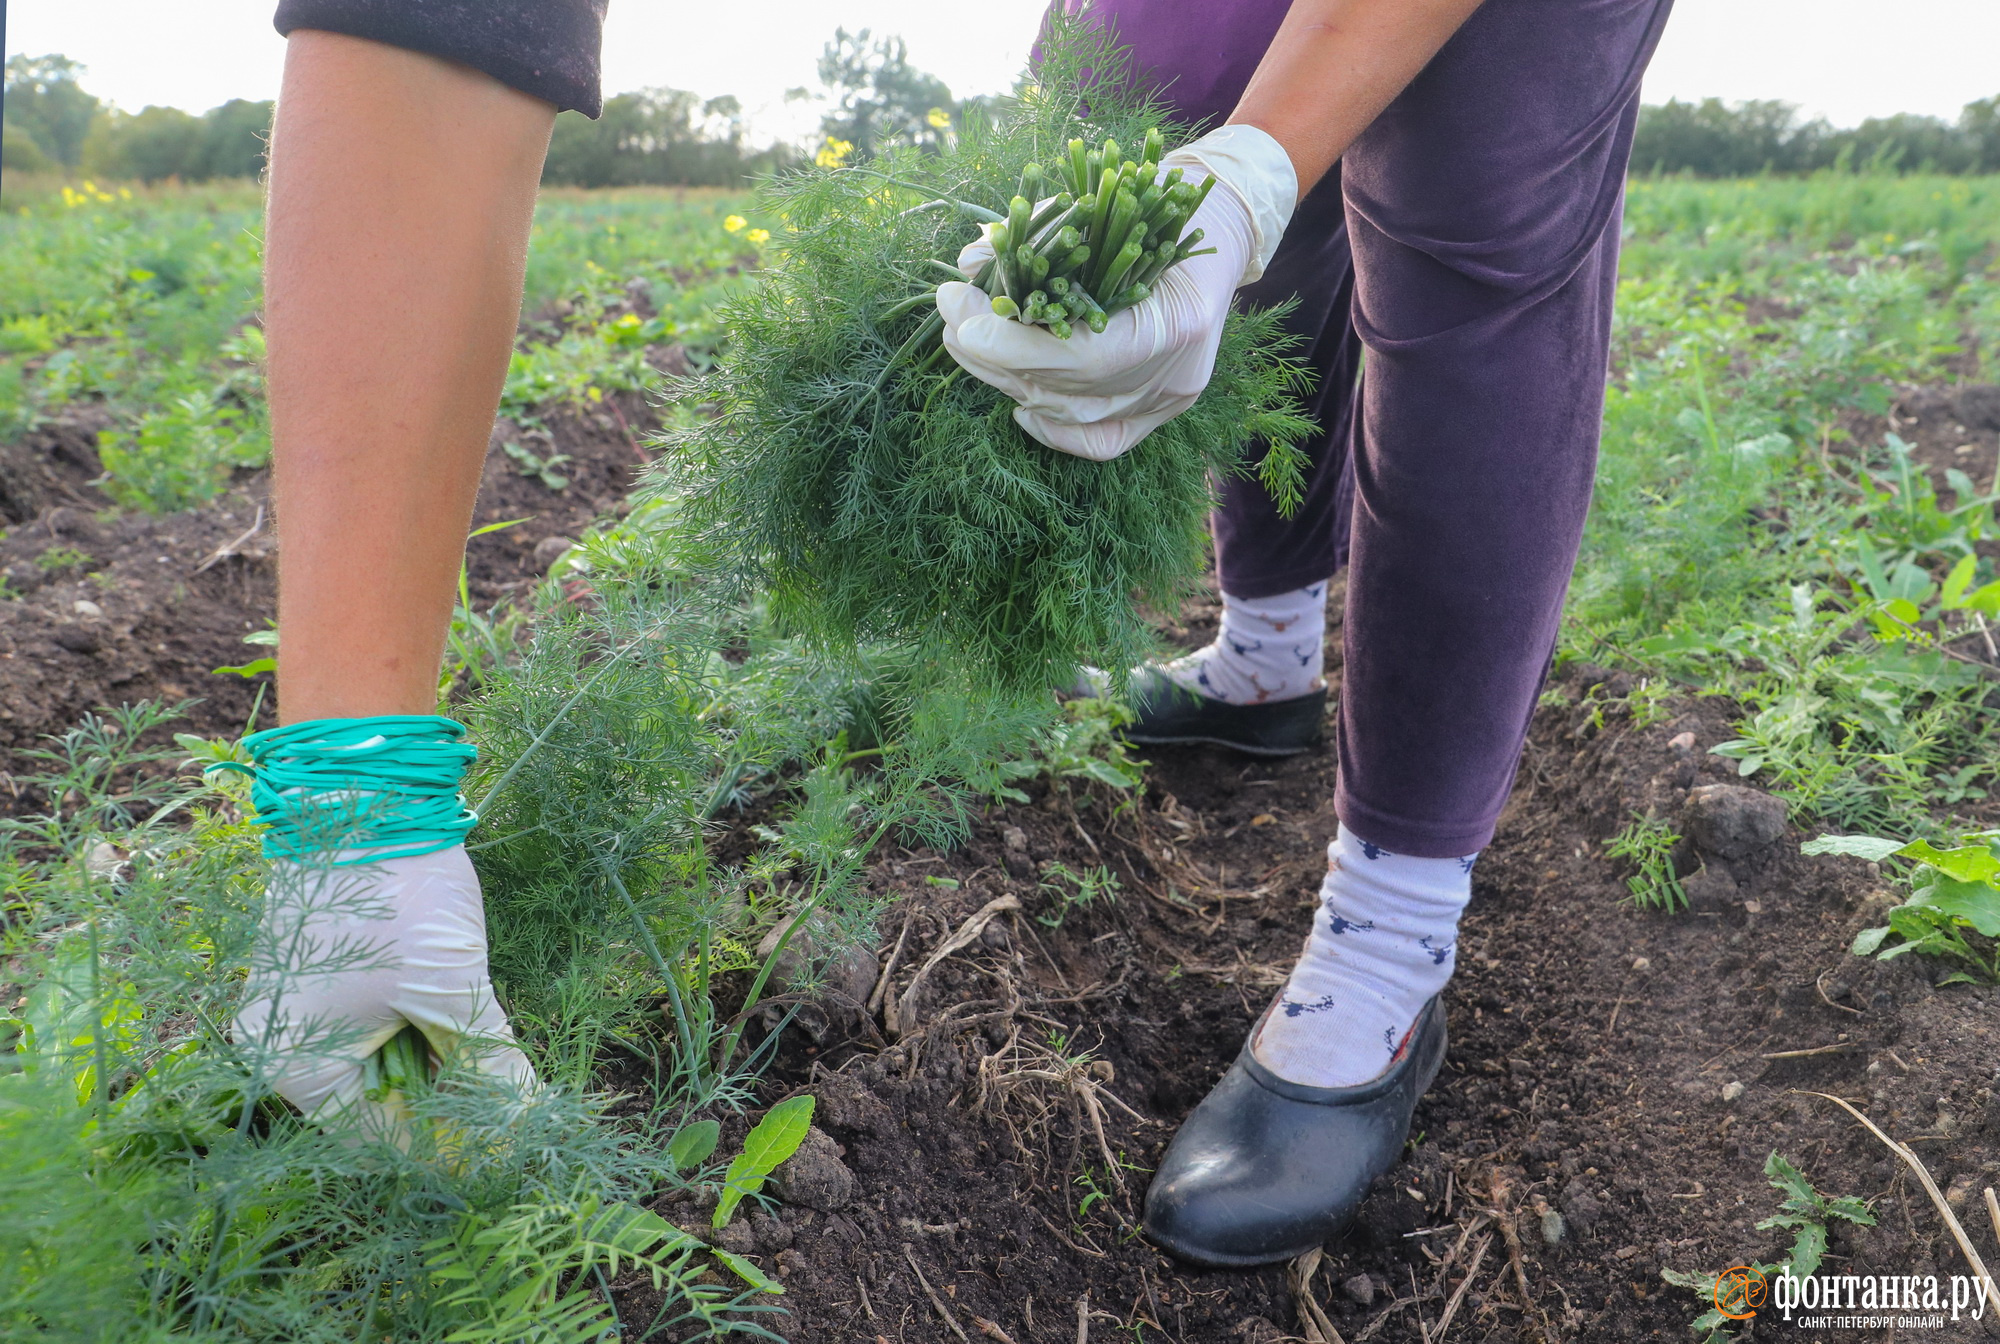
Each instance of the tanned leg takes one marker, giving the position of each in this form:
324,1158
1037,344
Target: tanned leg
402,189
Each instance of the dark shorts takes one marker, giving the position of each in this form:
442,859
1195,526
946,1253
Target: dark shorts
547,48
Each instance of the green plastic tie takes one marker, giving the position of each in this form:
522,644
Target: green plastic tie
388,784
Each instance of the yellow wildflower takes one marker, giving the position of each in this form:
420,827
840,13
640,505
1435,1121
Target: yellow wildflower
735,223
939,119
834,153
759,236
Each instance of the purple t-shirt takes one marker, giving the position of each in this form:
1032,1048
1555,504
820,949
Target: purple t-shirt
1200,56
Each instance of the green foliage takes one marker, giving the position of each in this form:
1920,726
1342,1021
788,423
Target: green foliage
62,560
529,1267
1712,138
1953,910
1069,891
157,143
19,153
693,1144
1082,746
1732,548
183,453
879,101
1806,1213
766,1148
149,1142
156,1190
143,302
47,105
658,137
875,497
1648,845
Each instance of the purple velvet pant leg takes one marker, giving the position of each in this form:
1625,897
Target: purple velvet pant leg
1199,63
1480,253
1483,210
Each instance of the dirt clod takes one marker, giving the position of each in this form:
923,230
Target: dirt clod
1731,821
1979,405
815,1177
738,1238
773,1234
1360,1290
851,973
551,549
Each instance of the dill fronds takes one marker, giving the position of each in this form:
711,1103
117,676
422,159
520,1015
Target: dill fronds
877,493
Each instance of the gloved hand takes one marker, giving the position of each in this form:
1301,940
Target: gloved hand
399,940
1098,393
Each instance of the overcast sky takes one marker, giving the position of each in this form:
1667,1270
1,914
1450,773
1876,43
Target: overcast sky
1843,59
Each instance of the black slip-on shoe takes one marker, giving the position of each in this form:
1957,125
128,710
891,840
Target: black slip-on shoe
1264,1170
1168,713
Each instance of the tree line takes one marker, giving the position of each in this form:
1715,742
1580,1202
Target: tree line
872,98
1712,138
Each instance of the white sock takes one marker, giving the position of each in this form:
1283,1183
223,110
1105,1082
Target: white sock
1269,648
1380,949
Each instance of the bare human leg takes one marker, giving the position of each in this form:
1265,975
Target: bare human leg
402,188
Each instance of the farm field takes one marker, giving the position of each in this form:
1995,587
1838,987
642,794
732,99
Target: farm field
1039,951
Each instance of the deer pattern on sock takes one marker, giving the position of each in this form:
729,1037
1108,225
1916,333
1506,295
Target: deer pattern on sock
1383,944
1270,648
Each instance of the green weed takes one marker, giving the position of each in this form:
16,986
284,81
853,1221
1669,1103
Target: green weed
1648,845
1804,1212
63,560
1953,909
1070,891
1081,747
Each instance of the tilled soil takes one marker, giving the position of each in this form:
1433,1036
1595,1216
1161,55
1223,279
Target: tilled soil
104,607
1615,1081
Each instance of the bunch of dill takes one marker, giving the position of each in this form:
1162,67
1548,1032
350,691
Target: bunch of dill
877,494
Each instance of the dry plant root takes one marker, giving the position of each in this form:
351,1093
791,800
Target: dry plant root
1317,1324
905,1020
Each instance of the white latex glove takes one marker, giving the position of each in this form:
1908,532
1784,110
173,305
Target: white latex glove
1098,393
399,940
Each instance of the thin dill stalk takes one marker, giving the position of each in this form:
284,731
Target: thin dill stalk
101,1083
652,950
756,993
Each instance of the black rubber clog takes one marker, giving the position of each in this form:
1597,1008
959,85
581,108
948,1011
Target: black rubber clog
1264,1170
1168,713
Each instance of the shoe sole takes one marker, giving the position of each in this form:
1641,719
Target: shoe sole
1204,1260
1157,740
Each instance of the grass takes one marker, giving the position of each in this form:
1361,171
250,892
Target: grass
1743,541
137,307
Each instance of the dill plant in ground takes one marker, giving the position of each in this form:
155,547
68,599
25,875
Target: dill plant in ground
877,493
